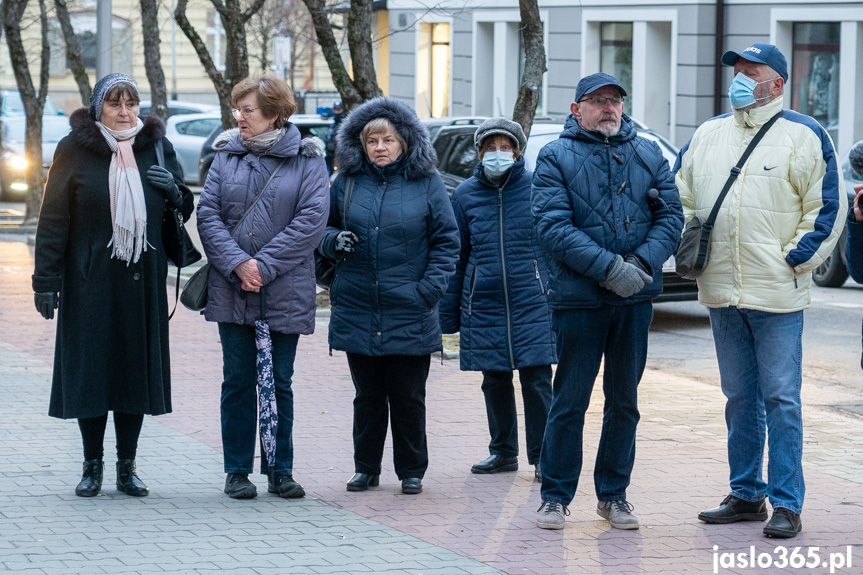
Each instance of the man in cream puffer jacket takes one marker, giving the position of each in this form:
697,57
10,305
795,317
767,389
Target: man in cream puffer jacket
779,221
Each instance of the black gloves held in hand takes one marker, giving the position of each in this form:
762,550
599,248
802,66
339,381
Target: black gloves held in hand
163,180
46,303
346,241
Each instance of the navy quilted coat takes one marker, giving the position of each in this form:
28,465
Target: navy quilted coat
497,297
385,294
590,202
281,232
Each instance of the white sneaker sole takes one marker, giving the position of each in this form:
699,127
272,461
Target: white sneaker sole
544,525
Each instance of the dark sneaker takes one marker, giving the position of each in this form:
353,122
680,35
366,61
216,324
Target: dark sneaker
784,524
496,464
733,509
285,486
618,513
551,515
238,486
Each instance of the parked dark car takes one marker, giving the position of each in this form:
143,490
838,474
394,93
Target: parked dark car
457,157
833,272
308,124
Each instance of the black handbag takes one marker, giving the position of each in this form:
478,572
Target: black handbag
325,268
178,246
196,291
694,249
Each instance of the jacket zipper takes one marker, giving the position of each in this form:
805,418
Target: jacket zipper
470,295
503,273
538,278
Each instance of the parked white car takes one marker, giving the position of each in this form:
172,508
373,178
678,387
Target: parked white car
177,108
187,133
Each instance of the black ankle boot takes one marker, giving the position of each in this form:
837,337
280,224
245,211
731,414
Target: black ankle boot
128,480
91,480
362,481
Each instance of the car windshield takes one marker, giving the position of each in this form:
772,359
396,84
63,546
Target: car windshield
52,132
13,106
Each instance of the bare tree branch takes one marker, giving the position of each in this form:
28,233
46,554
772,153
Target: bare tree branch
73,52
221,86
153,58
534,65
351,96
360,43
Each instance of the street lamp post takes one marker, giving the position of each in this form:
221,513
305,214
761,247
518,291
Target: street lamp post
103,38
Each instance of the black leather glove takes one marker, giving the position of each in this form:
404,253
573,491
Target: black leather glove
46,303
163,180
346,241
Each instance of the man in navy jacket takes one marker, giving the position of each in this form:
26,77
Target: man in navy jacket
608,215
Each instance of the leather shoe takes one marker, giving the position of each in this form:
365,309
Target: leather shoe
537,473
284,485
784,524
733,509
362,481
495,464
239,486
128,481
91,479
412,485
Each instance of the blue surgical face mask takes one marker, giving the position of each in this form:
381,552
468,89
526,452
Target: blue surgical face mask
497,163
741,92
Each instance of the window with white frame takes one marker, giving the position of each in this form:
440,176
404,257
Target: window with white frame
815,72
217,43
615,55
84,25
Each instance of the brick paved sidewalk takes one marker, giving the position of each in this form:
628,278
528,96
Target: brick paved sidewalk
461,523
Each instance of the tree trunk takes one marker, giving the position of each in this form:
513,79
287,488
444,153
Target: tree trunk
73,52
360,44
534,65
223,90
153,58
351,96
13,13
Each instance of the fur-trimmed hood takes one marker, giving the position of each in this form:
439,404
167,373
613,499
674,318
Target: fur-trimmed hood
289,145
421,160
88,135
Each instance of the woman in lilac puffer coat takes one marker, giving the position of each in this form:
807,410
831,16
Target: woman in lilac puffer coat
271,253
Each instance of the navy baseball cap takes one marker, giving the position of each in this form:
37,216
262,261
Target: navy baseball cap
760,54
594,82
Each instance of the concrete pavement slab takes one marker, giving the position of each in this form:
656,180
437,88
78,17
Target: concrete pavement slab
461,523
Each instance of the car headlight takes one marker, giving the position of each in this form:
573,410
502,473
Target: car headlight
16,162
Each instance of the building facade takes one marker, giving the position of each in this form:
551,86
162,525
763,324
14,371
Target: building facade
465,58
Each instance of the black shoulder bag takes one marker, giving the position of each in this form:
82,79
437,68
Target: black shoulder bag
194,296
179,248
691,257
325,268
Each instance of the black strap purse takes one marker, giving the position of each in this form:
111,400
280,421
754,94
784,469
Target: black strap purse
325,268
691,257
179,248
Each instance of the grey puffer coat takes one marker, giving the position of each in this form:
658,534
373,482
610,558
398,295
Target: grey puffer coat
281,232
386,292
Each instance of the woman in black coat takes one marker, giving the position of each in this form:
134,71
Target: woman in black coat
99,258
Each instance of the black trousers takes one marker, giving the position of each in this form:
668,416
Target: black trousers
393,385
127,428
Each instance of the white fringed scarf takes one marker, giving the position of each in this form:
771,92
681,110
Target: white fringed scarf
128,210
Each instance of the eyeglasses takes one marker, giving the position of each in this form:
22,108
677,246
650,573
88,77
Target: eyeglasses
244,113
600,101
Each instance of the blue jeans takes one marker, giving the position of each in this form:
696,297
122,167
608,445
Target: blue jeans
583,337
240,398
501,410
759,357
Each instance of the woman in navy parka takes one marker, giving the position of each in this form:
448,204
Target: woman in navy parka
398,247
497,298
